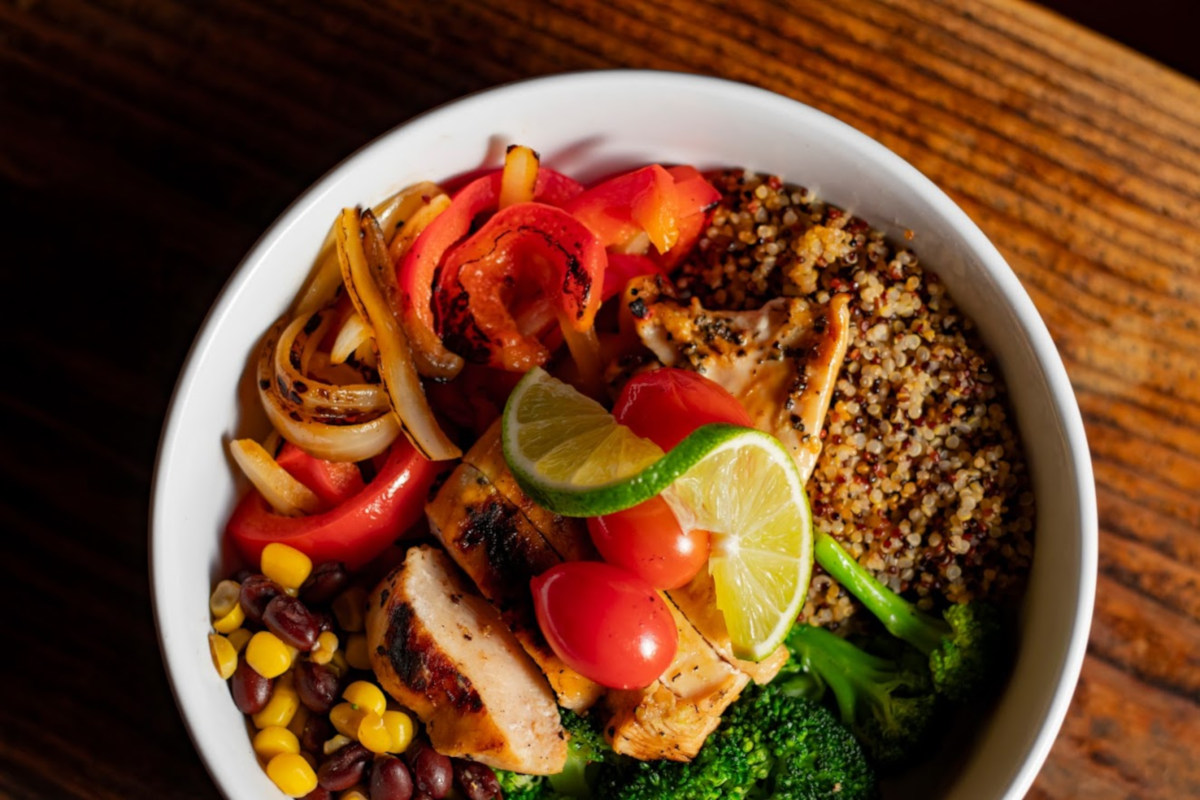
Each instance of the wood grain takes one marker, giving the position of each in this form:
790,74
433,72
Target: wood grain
143,147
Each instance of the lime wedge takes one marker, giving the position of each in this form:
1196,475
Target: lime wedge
740,484
747,493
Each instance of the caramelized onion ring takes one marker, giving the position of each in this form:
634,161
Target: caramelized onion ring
358,235
353,334
310,394
324,437
396,210
432,359
286,495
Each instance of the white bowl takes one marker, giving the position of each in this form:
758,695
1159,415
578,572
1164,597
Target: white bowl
587,125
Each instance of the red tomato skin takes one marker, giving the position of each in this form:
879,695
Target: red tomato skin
647,541
667,404
605,623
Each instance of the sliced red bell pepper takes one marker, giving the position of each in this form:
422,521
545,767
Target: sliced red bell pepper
669,205
624,267
332,481
525,246
620,208
695,197
693,192
354,531
417,270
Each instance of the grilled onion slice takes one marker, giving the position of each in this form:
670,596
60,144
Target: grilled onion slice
363,257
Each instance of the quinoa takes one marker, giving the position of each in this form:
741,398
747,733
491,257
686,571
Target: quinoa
921,475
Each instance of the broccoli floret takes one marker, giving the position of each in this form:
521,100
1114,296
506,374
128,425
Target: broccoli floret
769,745
586,750
888,704
964,648
519,786
811,754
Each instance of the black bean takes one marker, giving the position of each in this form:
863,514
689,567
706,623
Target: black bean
325,620
475,780
324,583
317,729
390,780
289,619
317,685
432,772
344,767
257,591
251,691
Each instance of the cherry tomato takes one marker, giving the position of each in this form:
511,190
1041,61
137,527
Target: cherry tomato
605,623
664,406
667,404
647,541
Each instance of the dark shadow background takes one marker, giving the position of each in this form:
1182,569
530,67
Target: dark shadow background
1166,30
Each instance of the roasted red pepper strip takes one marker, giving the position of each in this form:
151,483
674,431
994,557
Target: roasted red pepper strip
417,270
670,206
332,481
621,208
695,197
525,247
624,267
354,531
692,197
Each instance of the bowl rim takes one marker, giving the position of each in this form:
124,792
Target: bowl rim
1046,355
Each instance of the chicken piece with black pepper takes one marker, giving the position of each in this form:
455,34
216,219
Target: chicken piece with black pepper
780,361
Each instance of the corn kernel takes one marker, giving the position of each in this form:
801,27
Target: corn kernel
299,720
366,696
345,719
285,565
373,734
326,646
268,655
335,743
293,775
348,608
338,663
239,638
273,740
224,598
400,730
224,657
231,621
280,709
357,655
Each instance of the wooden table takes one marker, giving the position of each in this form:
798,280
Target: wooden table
145,145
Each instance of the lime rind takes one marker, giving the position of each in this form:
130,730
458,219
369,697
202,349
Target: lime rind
597,469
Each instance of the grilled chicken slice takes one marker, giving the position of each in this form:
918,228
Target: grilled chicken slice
697,601
781,361
444,652
568,536
500,550
671,718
